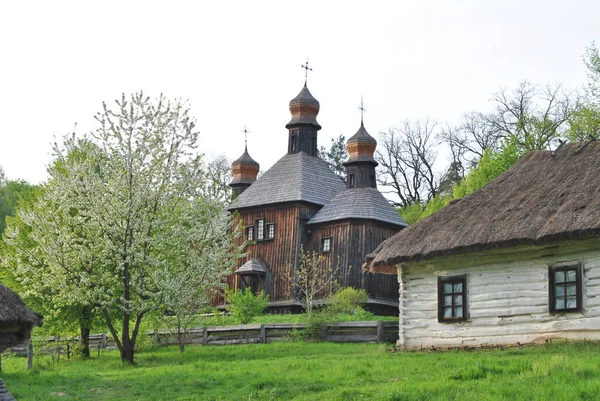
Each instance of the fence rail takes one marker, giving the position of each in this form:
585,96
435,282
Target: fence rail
368,331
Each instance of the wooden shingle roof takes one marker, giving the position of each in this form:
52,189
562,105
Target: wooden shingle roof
359,203
294,177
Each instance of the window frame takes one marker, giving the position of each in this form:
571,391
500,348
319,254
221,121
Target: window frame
455,279
268,232
330,243
260,234
250,233
552,270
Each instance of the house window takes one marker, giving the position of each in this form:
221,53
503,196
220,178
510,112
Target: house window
565,292
452,298
260,229
270,230
326,244
250,233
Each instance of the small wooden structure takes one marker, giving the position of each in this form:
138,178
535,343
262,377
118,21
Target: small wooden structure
16,323
516,262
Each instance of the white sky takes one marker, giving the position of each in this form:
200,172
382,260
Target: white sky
238,62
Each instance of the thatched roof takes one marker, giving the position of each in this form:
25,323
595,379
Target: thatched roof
546,197
4,394
13,310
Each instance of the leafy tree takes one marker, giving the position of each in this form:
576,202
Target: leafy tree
533,116
244,305
313,279
10,194
218,177
336,156
121,210
406,157
200,257
348,300
584,123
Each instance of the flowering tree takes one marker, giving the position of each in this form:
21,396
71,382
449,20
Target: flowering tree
132,216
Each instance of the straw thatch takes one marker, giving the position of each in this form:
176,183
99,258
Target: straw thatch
13,310
16,320
546,197
4,394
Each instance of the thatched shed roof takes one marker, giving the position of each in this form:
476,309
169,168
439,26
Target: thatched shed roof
13,310
546,197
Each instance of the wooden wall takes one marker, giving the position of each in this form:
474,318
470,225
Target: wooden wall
351,242
279,253
507,304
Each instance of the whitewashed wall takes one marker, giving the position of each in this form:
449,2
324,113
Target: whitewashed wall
507,304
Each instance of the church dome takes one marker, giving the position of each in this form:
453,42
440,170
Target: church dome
304,109
361,146
245,169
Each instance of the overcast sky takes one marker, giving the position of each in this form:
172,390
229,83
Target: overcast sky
238,63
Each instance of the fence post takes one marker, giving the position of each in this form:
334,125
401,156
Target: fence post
29,355
263,334
380,332
204,335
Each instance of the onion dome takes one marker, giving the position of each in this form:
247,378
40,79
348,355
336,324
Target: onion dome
361,146
245,169
304,109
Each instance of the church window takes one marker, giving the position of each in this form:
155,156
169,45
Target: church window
250,233
452,298
294,144
565,288
351,181
270,230
260,229
326,244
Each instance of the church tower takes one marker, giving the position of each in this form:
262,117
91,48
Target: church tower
361,165
303,126
245,171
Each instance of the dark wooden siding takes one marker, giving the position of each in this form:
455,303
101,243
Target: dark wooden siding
351,242
279,253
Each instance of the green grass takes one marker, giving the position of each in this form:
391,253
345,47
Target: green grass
317,371
296,318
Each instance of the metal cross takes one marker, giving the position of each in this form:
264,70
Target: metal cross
362,110
306,68
245,131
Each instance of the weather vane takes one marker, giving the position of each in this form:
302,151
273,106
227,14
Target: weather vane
306,68
362,110
245,131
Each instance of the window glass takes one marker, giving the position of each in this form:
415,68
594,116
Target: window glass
270,230
565,288
326,245
452,298
250,233
260,229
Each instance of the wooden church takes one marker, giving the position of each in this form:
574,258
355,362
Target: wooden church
299,203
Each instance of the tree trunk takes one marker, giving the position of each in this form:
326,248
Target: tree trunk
180,336
85,326
127,353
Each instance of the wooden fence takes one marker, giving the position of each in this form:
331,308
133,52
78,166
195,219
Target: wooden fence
369,331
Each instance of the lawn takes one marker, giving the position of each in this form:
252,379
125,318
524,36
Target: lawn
317,371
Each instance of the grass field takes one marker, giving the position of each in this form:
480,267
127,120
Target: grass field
317,371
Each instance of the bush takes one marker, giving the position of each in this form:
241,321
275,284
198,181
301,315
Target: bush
348,300
244,305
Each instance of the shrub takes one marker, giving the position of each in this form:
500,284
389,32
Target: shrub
244,305
348,300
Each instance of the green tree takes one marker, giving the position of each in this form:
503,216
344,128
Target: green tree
120,211
244,305
532,116
10,194
336,156
201,255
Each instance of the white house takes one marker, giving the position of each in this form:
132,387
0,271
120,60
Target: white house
516,262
